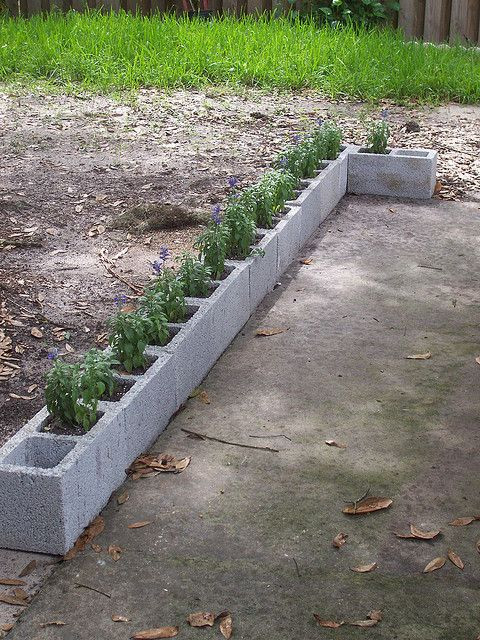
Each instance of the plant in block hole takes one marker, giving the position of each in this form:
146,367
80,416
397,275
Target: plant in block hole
152,305
377,141
194,276
170,289
129,337
73,391
241,229
270,194
332,139
212,244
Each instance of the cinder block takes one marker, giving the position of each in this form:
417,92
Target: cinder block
288,230
403,173
263,267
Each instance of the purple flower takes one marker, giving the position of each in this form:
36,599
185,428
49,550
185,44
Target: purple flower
52,353
232,182
320,121
384,114
296,139
120,299
216,214
162,258
283,161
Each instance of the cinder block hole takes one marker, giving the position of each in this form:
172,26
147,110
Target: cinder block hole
411,152
367,150
40,453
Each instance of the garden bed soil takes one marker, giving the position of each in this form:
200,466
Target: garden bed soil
91,187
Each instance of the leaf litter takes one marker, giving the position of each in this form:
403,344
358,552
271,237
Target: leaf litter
149,465
455,559
367,505
419,534
94,529
156,634
339,540
435,564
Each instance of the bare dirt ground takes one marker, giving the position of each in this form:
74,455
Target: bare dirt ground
91,187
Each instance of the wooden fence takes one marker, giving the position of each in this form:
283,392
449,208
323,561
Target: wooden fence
432,20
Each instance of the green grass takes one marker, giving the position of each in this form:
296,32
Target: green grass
112,52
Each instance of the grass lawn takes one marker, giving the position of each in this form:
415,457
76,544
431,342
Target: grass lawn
111,52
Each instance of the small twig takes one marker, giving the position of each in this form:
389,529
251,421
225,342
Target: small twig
137,290
426,266
355,502
86,586
279,435
296,567
203,436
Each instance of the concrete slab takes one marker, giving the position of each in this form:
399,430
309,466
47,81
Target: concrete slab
251,531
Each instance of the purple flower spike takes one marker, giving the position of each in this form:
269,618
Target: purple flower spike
120,299
296,139
52,353
162,258
216,214
320,121
384,114
232,182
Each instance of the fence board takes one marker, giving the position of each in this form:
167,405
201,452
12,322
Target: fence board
13,7
237,7
464,20
437,20
258,6
411,17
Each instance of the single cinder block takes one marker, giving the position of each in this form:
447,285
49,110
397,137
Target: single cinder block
263,268
288,230
402,173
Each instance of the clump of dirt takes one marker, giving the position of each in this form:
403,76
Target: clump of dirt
143,218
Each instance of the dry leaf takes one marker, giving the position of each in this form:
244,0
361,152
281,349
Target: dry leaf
438,188
363,623
306,261
333,443
69,348
367,505
120,619
92,531
122,498
226,625
156,634
268,332
20,593
96,547
423,535
201,619
477,546
376,614
28,569
6,627
420,356
365,568
146,464
477,360
339,540
139,525
36,333
462,522
328,624
115,551
9,599
203,397
433,565
12,582
53,623
455,559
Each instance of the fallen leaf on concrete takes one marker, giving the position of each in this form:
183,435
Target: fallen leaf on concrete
334,443
114,551
12,582
20,593
462,522
203,397
367,505
419,534
53,623
28,569
96,547
156,634
363,623
36,333
268,332
9,599
477,546
120,619
6,627
122,498
328,624
339,540
139,525
201,619
365,568
420,356
306,261
92,531
433,565
163,462
477,360
226,624
455,559
376,614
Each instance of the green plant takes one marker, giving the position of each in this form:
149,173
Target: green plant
171,292
194,276
152,305
331,140
377,140
73,391
212,244
270,193
128,338
364,11
241,229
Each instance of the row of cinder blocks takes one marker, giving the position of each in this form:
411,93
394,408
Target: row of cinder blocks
51,486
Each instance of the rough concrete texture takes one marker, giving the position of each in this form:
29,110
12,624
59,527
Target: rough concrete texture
388,279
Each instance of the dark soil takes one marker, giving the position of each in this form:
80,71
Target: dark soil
121,389
55,425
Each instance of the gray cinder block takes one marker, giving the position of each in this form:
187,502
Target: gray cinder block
263,268
403,173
